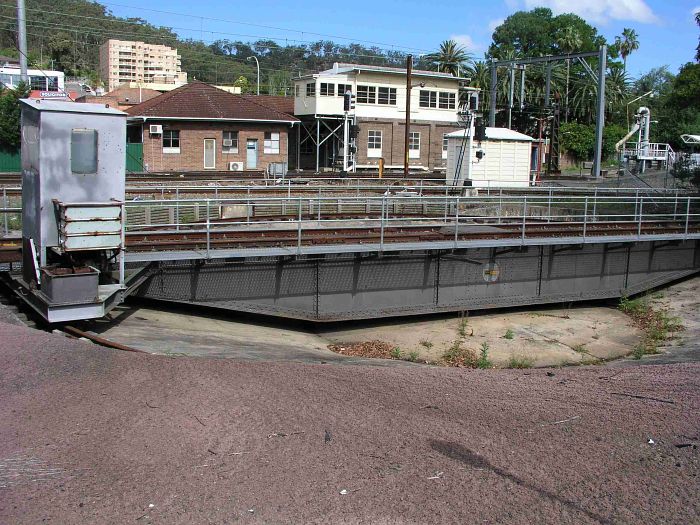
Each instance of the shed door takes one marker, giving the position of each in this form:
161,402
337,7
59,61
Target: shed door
209,154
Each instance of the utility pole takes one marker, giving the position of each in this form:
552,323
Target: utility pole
510,96
600,120
22,37
257,64
492,100
409,65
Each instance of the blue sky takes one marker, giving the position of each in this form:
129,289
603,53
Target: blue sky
667,32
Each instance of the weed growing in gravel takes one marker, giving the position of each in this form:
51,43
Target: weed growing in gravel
412,356
462,329
396,353
657,325
509,334
580,348
426,344
520,361
484,361
460,357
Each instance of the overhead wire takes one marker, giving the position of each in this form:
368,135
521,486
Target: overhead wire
156,28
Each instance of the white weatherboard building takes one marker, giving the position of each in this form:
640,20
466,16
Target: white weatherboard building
379,114
506,158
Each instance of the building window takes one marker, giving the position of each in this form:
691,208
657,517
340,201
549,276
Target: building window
414,145
445,142
428,99
344,88
311,89
374,143
272,143
386,96
171,141
447,100
230,142
366,95
327,90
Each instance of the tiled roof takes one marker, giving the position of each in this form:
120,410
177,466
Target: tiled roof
134,95
198,100
279,103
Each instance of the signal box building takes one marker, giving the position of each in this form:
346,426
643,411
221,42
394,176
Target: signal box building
198,127
379,112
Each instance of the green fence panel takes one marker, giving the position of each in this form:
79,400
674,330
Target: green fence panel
10,162
134,158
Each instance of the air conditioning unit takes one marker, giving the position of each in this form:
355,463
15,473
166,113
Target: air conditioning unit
235,166
155,129
228,143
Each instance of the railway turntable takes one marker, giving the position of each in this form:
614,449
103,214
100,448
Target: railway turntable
319,257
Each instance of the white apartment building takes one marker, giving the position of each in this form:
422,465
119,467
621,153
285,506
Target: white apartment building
138,64
380,112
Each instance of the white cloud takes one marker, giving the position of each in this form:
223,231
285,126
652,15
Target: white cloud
600,11
493,24
467,42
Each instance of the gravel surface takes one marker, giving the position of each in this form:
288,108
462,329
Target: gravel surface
91,435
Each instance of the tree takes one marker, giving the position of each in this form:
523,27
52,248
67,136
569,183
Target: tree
242,82
538,33
10,115
452,58
626,44
568,40
697,21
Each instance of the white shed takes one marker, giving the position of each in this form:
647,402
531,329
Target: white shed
506,158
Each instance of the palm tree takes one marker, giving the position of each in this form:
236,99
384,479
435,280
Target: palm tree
627,44
568,41
452,58
697,21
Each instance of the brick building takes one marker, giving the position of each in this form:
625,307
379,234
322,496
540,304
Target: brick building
198,127
121,98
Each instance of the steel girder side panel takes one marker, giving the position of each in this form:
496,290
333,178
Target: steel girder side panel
266,286
483,278
585,272
653,264
370,286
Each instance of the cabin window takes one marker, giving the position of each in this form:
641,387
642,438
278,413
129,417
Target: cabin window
386,96
83,151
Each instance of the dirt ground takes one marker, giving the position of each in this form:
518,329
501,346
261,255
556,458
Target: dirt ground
92,435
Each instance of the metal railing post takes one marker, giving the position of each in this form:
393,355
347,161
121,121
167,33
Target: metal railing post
6,206
524,216
299,227
177,209
641,211
585,218
687,218
208,229
675,207
381,226
456,221
549,206
595,203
